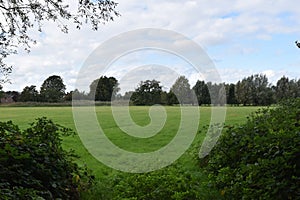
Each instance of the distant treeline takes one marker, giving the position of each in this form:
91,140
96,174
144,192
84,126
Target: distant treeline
252,90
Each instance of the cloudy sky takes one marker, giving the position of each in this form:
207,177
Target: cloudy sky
241,37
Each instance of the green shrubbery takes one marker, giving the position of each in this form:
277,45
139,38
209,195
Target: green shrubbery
172,182
260,159
33,164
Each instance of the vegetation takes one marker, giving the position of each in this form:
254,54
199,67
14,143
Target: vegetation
19,17
257,160
53,89
183,178
147,93
104,89
35,166
260,159
253,90
29,93
182,89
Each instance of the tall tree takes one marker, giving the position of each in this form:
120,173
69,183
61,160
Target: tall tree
283,89
52,89
78,95
182,89
18,17
202,92
230,94
217,93
104,88
243,91
261,90
147,93
127,95
1,92
286,88
171,98
29,93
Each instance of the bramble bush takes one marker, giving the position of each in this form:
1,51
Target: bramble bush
172,182
260,159
33,164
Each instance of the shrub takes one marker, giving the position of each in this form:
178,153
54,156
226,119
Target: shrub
260,159
33,164
172,182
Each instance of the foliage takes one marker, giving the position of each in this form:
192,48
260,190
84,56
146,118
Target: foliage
202,92
104,88
105,177
260,159
29,93
254,90
182,89
77,95
52,89
230,94
286,88
147,93
1,92
172,182
217,93
19,17
33,164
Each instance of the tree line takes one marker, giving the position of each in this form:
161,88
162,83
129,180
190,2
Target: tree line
252,90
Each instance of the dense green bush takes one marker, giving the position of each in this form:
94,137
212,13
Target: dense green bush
260,159
172,182
33,164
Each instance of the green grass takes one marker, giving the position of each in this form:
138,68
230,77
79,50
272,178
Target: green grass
22,116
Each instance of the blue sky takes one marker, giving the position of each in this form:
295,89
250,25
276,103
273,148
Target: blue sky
241,38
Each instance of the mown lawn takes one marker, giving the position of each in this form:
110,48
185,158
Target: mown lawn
22,116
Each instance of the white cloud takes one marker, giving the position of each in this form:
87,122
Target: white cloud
217,25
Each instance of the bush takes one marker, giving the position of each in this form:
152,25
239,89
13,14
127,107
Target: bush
33,164
260,159
172,182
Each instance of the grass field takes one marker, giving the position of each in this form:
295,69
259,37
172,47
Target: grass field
22,116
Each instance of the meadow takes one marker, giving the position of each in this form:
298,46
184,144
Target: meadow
23,116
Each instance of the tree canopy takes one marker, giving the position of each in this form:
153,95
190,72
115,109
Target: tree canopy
202,92
182,89
147,93
17,17
53,89
29,93
104,88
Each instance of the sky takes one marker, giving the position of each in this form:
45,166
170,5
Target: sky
240,37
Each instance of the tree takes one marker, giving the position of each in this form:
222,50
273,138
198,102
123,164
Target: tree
18,17
77,95
171,98
202,92
297,43
230,93
243,91
217,93
104,88
1,92
286,88
128,95
254,90
53,89
261,91
147,93
29,93
283,89
182,89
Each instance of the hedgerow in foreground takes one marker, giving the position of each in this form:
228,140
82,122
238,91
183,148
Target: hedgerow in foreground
33,165
260,159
